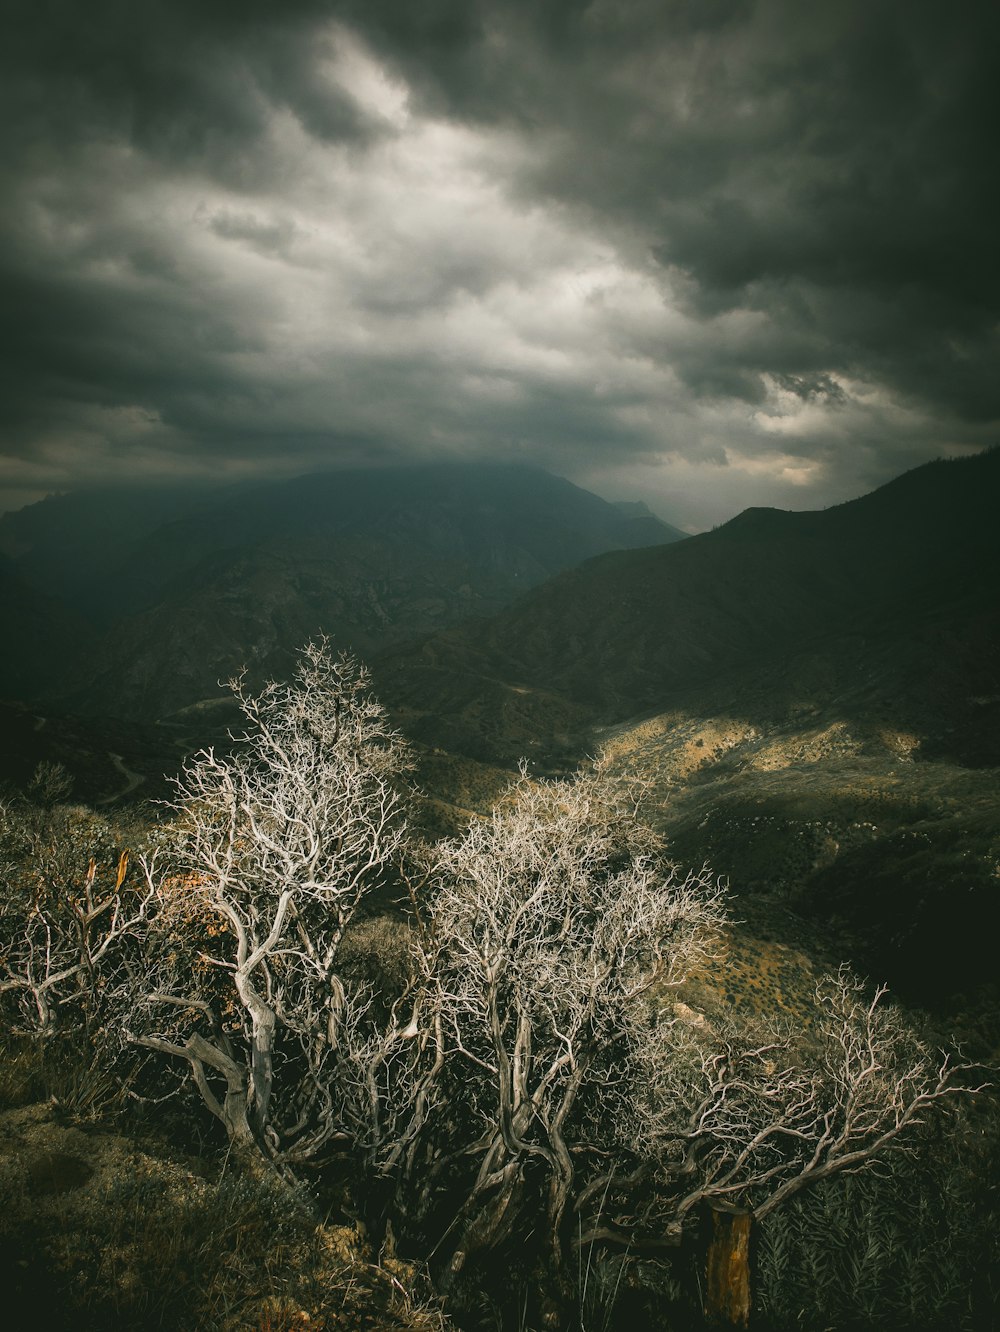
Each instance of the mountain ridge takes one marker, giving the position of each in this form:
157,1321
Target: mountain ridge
615,636
241,576
810,702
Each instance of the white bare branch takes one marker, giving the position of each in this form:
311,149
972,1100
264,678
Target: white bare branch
550,925
281,841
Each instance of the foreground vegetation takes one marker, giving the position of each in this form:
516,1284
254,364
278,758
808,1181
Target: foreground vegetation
481,1052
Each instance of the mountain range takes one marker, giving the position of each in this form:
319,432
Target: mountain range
810,700
886,607
137,603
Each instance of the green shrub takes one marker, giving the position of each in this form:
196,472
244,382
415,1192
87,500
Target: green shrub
913,1244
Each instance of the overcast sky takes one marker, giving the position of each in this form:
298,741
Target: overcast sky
709,253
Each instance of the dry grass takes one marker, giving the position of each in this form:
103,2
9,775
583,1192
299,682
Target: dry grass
98,1232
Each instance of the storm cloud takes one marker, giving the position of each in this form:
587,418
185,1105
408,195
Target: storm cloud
706,253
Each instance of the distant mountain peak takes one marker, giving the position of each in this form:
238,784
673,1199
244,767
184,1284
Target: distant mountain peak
188,584
868,591
640,512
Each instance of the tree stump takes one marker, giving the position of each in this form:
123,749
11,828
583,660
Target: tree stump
727,1295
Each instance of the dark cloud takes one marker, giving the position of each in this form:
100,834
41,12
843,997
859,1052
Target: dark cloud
268,235
725,250
839,152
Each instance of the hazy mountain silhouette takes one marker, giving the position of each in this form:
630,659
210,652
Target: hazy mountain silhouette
888,601
813,698
188,585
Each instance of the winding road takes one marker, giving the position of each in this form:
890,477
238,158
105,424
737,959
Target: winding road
132,780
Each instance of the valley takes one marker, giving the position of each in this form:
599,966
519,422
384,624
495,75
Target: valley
811,699
805,704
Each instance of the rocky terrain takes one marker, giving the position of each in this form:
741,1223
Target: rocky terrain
103,1230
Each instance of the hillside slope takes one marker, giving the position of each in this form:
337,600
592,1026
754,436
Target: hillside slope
188,586
889,601
813,701
40,633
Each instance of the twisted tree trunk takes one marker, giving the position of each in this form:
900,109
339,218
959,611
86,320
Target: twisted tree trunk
727,1293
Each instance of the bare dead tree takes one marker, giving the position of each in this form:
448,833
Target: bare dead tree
550,925
741,1118
536,1072
280,843
577,1099
738,1120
